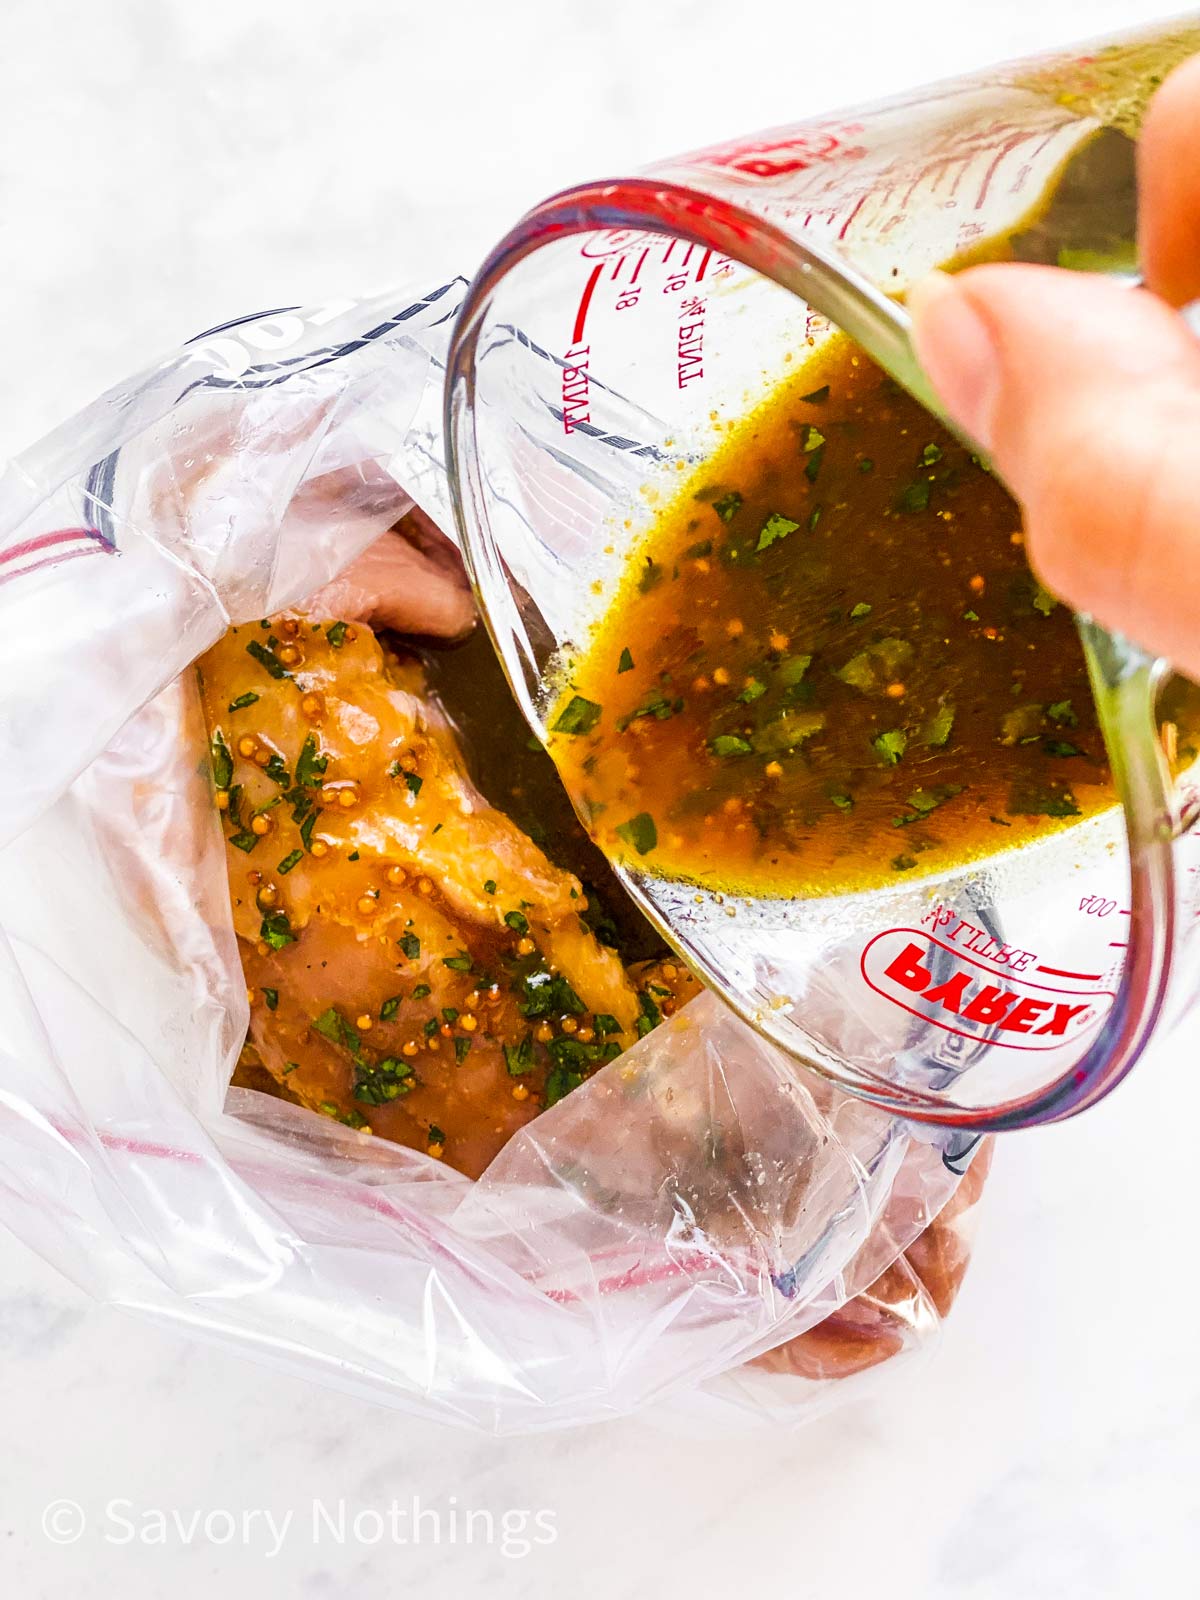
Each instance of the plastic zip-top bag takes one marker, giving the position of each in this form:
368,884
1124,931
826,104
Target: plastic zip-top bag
696,1206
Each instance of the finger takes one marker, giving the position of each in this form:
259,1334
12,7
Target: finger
1169,187
393,584
1087,398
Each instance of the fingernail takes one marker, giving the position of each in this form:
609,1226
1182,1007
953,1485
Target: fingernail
956,349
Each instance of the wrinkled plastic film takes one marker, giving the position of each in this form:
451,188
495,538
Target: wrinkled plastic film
692,1207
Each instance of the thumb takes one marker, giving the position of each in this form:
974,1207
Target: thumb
1086,396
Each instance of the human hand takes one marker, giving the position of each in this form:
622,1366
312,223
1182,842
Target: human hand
1086,396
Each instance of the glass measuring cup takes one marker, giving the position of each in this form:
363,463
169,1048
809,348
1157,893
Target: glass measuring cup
600,343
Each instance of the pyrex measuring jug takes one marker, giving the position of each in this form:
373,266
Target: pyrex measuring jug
601,342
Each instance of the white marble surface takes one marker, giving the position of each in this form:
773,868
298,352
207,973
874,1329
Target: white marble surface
166,165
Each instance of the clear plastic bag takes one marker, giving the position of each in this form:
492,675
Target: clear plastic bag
695,1205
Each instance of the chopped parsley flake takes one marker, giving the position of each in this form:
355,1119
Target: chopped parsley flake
776,527
390,1007
410,944
640,832
246,699
625,662
336,634
890,746
730,744
578,716
267,659
290,860
222,762
310,764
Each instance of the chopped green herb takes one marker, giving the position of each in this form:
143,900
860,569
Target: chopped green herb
489,886
651,576
650,1016
267,659
246,699
277,772
924,801
754,690
625,661
560,1081
276,930
353,856
858,612
519,1058
696,552
816,397
290,860
390,1007
1060,748
462,1049
873,669
547,994
222,762
970,616
292,1066
792,669
421,992
605,1024
866,465
459,963
890,746
812,466
449,1013
271,996
930,454
730,744
1063,713
517,921
410,944
579,716
1044,601
728,505
414,783
243,840
903,863
813,439
814,517
936,731
336,634
844,802
640,832
915,497
310,764
306,830
776,527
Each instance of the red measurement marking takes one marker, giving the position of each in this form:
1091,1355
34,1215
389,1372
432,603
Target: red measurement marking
1084,977
1113,944
687,255
857,207
667,252
703,267
640,262
1124,913
1004,149
585,300
617,265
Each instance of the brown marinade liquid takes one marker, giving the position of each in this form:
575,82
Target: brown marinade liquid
829,665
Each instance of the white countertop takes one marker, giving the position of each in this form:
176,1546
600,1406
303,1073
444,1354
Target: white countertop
166,166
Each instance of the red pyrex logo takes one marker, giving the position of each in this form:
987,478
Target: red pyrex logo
939,984
794,152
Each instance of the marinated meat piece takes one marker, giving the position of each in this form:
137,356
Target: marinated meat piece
416,964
